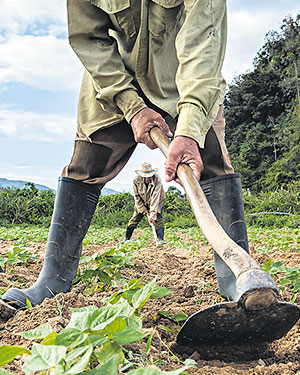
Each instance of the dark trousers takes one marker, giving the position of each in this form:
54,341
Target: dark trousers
99,158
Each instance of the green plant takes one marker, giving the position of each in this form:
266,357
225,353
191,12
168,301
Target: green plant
92,343
284,275
18,255
102,269
175,318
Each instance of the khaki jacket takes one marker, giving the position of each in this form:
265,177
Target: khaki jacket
170,51
149,197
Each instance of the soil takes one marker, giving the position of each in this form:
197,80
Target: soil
192,278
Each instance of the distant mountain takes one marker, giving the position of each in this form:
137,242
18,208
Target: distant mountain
4,183
106,191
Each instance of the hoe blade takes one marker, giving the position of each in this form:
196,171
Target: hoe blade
230,323
6,311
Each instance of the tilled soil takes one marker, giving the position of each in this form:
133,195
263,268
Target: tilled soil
192,278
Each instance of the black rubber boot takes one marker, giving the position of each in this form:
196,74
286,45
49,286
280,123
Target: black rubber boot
74,207
128,233
160,236
224,194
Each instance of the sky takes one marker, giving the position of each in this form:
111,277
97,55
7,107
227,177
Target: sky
40,78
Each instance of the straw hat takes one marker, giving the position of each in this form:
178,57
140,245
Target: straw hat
146,170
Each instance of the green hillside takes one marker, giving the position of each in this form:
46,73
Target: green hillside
262,110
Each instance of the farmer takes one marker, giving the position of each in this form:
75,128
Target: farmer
149,197
147,63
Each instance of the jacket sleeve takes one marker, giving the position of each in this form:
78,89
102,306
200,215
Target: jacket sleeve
139,204
157,199
200,46
88,28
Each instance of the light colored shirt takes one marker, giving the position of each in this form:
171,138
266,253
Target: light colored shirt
170,50
149,197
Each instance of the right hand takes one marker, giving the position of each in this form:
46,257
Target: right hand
183,150
143,122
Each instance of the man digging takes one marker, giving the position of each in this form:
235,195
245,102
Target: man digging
147,64
149,197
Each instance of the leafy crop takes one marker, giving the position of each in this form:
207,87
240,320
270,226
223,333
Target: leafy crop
94,340
271,239
284,275
17,256
102,269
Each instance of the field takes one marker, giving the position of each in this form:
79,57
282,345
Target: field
183,266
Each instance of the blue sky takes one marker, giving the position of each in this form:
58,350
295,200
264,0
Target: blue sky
40,78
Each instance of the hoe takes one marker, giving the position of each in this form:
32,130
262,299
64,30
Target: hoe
257,315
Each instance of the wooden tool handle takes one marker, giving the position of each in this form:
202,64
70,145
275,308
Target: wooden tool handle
233,255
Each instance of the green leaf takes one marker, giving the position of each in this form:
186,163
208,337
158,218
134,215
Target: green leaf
75,353
8,353
180,316
134,322
50,339
115,326
98,319
159,292
126,336
110,367
28,304
149,341
166,314
110,313
108,350
97,338
85,259
296,285
44,357
70,337
141,296
82,363
37,333
166,329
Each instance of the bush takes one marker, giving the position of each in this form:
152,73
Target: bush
31,206
277,208
27,205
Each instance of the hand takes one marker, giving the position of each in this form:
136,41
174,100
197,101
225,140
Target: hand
145,213
145,120
151,221
183,150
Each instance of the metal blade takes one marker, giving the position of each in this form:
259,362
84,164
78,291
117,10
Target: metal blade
229,323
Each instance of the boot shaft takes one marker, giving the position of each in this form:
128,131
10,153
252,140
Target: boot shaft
74,207
225,197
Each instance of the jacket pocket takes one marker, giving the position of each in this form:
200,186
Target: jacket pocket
164,15
120,14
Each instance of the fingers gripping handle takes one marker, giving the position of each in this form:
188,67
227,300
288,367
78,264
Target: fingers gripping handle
232,254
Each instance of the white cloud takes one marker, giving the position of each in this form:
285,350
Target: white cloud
35,126
246,35
41,61
16,15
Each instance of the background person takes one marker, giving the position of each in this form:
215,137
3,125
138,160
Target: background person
149,198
